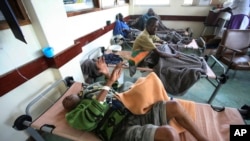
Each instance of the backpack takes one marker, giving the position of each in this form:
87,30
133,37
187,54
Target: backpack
113,116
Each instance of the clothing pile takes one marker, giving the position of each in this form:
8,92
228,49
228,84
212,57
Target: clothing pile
112,58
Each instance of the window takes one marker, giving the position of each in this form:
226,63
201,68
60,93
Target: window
197,2
76,5
188,2
152,2
108,3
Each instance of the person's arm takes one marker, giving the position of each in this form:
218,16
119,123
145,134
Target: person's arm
102,67
125,27
156,39
111,80
117,28
89,112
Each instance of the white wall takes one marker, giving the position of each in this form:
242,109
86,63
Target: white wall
50,27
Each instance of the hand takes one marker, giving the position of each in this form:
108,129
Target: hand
116,73
163,42
102,67
157,44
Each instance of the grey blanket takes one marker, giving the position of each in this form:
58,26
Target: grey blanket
177,74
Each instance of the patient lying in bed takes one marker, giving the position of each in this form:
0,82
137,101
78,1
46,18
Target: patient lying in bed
169,64
213,124
151,115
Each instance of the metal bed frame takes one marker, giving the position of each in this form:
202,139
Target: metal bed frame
24,121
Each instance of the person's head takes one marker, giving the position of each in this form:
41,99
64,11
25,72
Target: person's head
71,101
152,25
119,16
150,12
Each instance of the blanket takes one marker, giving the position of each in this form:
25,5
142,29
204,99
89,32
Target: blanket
176,74
139,99
179,74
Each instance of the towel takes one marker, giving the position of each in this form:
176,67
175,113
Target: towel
137,56
145,92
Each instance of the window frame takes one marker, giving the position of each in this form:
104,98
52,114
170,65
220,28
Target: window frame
20,13
97,7
211,3
152,3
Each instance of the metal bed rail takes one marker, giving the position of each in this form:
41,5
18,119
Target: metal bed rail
55,84
24,121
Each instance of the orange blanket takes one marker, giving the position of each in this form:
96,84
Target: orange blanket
145,92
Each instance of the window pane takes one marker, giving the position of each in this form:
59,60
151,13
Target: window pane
204,2
151,2
188,2
75,5
197,2
108,3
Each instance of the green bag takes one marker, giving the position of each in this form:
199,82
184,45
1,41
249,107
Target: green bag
91,115
87,114
111,121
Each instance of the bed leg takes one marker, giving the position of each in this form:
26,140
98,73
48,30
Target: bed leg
34,134
214,93
221,80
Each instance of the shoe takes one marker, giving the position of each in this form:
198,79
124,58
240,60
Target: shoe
245,112
246,107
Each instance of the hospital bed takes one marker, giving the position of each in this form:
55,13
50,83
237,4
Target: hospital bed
215,80
213,121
